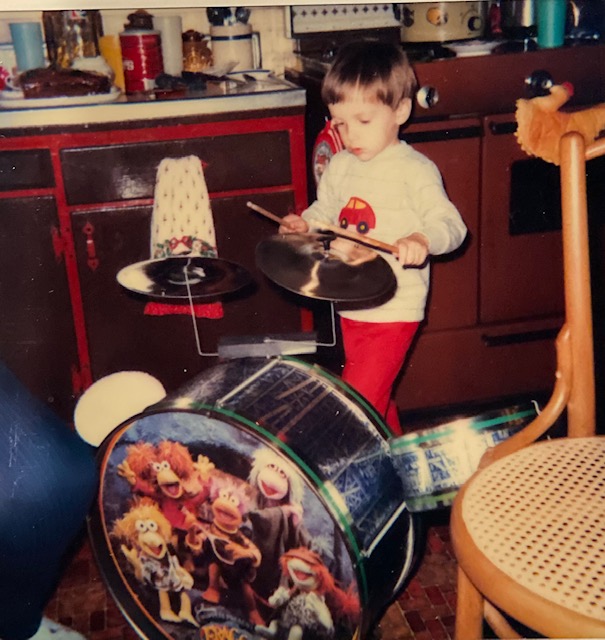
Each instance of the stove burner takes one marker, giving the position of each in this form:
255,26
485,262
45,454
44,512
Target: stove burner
319,59
427,51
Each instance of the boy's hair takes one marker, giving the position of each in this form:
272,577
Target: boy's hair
381,68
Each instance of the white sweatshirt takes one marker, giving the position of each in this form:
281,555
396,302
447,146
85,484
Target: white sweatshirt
404,191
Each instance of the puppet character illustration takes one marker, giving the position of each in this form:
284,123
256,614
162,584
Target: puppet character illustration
278,484
309,602
167,473
277,519
145,534
233,557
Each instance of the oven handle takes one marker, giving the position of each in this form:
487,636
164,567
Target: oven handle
518,338
502,128
453,133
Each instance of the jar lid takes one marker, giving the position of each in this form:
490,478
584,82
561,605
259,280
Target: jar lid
191,35
140,19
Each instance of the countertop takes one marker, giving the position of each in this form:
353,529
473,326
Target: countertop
217,98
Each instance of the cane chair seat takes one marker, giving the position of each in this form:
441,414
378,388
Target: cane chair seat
538,517
528,528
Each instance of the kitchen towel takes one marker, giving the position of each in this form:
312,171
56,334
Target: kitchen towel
182,223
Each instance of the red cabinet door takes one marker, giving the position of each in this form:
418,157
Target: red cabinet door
37,338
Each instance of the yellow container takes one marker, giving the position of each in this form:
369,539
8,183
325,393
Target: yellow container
109,47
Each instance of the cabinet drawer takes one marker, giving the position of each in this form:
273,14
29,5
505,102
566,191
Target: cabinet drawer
478,364
128,171
28,169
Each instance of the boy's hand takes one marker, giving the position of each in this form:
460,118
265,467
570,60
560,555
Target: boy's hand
293,224
413,249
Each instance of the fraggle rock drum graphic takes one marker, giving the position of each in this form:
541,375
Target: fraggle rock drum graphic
260,501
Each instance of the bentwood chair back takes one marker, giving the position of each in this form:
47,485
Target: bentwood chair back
528,528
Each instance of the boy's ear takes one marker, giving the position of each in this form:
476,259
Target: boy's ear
403,111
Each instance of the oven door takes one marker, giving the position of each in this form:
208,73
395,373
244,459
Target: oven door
521,263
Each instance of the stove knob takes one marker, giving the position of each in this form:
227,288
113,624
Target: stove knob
427,97
539,83
475,24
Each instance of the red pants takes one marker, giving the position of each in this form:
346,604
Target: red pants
374,355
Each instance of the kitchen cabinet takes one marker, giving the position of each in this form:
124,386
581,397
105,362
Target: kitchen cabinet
76,206
37,339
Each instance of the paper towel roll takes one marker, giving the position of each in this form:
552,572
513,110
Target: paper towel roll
171,30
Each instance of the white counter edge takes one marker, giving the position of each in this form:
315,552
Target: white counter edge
155,109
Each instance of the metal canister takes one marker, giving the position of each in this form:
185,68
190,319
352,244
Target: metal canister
141,58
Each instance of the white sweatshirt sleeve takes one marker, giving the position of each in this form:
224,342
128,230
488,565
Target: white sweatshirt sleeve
442,223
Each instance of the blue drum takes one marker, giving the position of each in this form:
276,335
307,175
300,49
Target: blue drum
260,501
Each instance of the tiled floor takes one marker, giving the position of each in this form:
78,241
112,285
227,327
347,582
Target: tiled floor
423,611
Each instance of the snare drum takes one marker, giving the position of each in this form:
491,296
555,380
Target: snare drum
337,513
434,463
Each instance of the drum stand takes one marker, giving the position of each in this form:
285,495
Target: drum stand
273,345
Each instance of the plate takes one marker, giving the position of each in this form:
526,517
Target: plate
469,48
15,100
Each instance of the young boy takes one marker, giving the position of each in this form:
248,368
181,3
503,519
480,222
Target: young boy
369,91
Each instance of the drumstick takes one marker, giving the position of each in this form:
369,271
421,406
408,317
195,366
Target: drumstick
265,213
352,235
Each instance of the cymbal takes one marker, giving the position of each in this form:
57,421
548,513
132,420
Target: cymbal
167,278
326,267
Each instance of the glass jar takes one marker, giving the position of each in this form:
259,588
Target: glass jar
197,55
71,34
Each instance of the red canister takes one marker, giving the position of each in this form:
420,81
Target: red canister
141,58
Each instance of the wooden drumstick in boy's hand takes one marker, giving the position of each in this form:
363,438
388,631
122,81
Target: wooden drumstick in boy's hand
281,221
264,212
352,235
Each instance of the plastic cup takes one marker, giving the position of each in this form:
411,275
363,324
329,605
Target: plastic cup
550,19
29,45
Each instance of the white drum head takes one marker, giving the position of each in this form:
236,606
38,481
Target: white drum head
110,401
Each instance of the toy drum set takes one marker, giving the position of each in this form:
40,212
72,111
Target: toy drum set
264,499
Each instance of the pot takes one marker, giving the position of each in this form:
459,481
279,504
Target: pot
518,18
442,21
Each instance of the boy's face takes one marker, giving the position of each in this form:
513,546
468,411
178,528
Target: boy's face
366,125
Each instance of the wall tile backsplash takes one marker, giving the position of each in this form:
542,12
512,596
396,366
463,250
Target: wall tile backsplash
320,18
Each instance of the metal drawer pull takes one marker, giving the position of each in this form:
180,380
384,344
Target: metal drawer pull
520,337
439,135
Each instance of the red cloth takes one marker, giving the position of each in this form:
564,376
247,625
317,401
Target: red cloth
213,310
374,355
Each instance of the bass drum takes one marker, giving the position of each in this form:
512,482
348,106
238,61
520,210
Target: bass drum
260,501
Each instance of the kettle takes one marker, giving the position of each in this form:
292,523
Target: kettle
235,44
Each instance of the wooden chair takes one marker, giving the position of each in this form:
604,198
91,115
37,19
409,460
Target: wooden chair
528,528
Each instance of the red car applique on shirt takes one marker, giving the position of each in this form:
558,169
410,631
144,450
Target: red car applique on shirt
359,214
